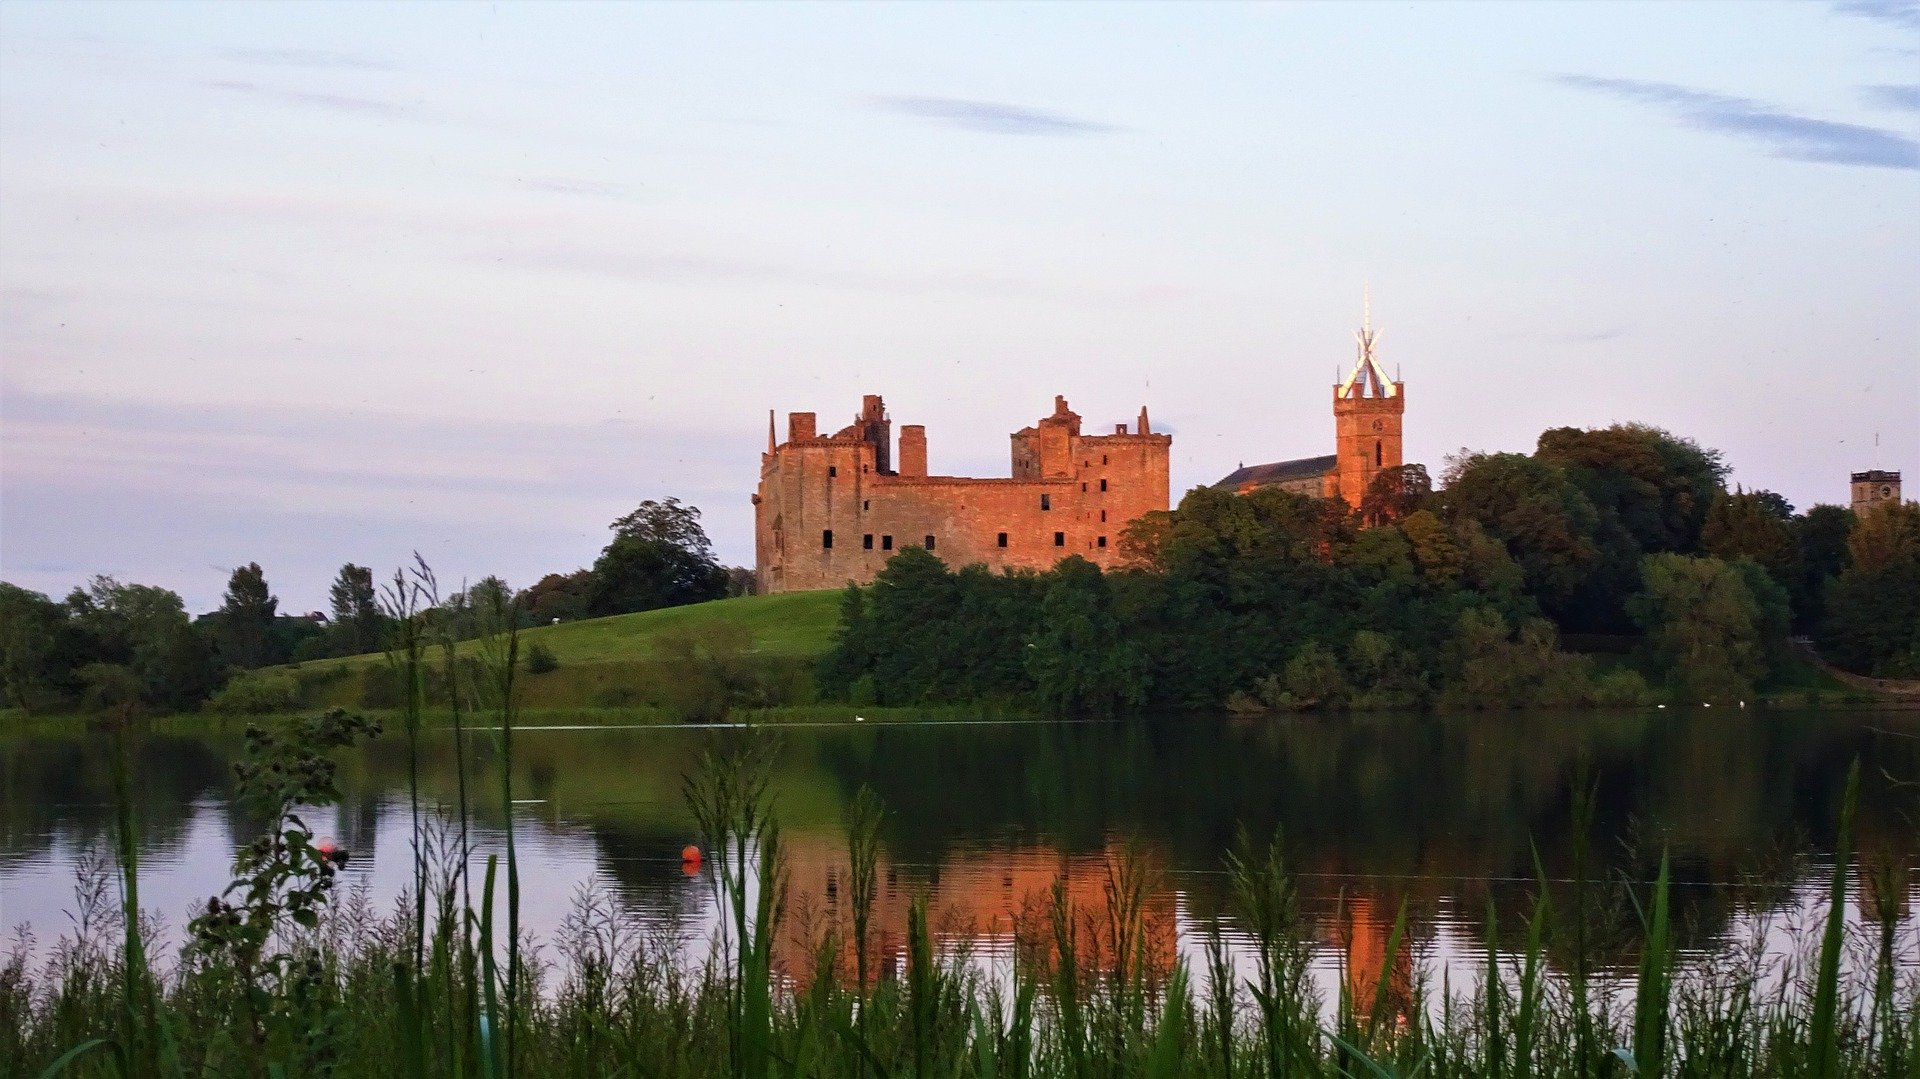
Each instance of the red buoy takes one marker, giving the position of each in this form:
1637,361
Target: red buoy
690,860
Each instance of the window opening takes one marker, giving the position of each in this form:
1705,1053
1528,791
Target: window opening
1003,539
826,539
1059,539
1046,502
866,541
886,543
929,543
832,471
1103,485
1102,542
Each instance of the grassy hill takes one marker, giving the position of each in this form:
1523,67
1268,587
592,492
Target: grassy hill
629,660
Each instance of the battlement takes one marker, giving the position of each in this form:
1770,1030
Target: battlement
831,509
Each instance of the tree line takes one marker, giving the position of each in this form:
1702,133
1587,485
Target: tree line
1610,566
111,645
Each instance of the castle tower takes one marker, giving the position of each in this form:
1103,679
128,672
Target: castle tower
1367,409
1873,487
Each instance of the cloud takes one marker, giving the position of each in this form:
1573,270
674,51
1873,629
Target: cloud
992,117
1904,14
1895,97
674,267
363,106
562,185
320,58
1796,138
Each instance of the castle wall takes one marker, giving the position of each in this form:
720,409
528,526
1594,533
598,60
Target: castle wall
1076,497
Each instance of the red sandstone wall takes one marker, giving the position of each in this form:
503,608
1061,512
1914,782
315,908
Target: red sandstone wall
1360,425
812,487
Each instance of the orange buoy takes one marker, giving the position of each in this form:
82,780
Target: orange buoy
690,860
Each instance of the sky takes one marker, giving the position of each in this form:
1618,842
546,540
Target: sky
309,284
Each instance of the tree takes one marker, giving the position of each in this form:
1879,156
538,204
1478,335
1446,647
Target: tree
1531,506
668,522
138,635
659,557
1080,662
246,618
1704,626
1434,551
358,623
1822,534
1756,525
1395,493
1872,622
41,651
557,597
636,574
1649,491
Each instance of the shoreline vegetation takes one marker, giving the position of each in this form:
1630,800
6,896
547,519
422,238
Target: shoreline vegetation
1610,568
283,976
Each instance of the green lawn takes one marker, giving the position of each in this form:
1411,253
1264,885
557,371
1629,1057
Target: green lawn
790,625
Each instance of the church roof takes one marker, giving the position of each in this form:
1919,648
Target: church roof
1278,472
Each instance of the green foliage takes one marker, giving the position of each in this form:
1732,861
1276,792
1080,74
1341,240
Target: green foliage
1079,660
540,659
557,597
1314,679
1822,535
1533,508
256,693
358,623
1497,667
282,882
659,557
41,651
245,622
1705,626
713,674
111,688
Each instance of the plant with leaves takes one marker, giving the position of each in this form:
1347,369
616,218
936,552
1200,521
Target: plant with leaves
245,618
358,623
282,883
1080,662
1704,626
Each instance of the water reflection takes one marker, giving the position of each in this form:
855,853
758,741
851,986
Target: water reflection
1444,815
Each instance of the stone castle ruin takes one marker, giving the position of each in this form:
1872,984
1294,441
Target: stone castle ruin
832,509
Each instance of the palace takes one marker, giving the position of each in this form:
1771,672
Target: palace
832,509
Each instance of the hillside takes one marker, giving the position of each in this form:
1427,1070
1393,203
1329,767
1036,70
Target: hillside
628,660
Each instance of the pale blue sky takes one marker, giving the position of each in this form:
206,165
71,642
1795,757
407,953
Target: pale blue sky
309,284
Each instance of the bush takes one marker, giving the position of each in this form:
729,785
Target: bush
257,693
1621,688
378,689
110,687
540,659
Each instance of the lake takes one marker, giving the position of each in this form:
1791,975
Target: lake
1444,814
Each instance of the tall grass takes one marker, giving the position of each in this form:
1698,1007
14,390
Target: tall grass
439,986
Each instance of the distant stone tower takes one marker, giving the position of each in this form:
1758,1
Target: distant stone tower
1367,409
1873,487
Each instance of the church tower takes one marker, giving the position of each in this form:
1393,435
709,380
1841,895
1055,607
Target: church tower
1367,409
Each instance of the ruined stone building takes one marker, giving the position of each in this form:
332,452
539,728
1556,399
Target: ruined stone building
1367,410
832,509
